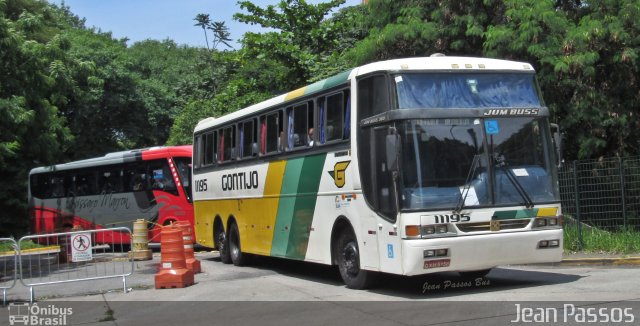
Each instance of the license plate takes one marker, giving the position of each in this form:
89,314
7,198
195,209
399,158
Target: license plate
437,263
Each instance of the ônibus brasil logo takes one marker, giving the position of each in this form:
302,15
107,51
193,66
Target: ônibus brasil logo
32,314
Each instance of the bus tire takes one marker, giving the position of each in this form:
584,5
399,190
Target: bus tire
237,256
475,274
222,242
348,258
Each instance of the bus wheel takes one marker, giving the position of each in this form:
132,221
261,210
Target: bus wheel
237,256
222,243
349,263
475,274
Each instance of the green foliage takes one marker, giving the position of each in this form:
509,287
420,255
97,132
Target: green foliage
194,111
301,38
589,239
587,63
68,92
586,55
298,50
411,28
220,31
33,131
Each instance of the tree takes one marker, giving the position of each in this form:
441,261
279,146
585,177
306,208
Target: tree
33,133
203,21
220,31
586,55
301,37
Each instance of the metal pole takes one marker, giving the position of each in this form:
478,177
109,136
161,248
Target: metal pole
622,191
577,195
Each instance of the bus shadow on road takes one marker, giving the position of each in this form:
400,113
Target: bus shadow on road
292,268
451,284
437,285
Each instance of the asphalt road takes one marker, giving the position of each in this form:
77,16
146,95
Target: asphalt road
276,292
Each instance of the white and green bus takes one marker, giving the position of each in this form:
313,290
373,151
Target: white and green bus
407,166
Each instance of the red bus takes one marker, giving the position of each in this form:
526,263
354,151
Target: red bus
114,190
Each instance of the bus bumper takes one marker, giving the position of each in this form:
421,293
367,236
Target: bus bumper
478,252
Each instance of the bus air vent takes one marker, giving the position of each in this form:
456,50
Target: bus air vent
486,226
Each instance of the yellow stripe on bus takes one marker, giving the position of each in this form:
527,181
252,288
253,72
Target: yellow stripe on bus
256,217
547,211
260,214
295,94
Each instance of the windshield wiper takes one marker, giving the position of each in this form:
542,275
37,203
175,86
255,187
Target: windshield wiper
467,185
500,162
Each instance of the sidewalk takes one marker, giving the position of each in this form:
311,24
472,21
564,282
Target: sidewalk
599,259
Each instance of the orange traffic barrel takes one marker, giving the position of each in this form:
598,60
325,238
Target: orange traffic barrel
192,263
173,266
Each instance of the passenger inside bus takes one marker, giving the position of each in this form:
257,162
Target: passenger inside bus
310,137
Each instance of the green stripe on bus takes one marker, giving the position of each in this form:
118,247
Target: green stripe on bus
520,213
330,82
337,79
296,207
308,185
286,207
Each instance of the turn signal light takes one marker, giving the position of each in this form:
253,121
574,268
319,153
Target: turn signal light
427,231
412,230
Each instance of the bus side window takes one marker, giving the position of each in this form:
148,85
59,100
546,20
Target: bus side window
272,134
334,118
85,183
347,117
262,135
56,186
373,96
300,125
38,185
136,178
220,146
209,148
197,151
161,177
248,145
228,144
110,180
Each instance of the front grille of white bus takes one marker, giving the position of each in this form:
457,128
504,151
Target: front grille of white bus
486,226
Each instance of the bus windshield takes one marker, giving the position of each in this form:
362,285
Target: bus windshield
466,90
184,170
476,162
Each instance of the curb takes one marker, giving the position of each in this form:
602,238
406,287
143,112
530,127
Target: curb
33,251
627,261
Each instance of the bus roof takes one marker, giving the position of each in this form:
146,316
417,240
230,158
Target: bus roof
435,63
119,157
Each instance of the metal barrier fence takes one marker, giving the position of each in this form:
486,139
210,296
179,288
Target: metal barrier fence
77,258
8,266
603,193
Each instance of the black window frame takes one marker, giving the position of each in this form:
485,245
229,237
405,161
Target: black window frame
278,115
242,131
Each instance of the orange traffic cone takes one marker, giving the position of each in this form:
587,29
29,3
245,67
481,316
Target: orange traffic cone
173,267
192,263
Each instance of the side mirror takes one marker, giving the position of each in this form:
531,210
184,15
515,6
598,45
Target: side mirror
393,150
557,142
